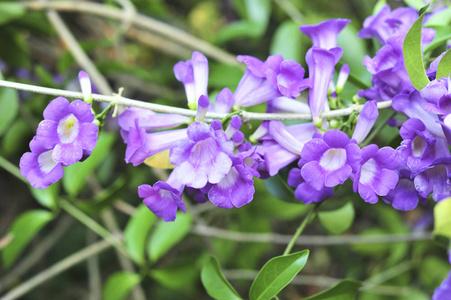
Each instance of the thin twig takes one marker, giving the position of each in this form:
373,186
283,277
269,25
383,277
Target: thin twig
94,278
78,53
140,20
246,116
12,169
56,269
308,240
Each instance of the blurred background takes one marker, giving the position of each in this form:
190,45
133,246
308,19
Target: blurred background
134,44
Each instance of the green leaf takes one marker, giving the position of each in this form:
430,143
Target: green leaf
168,234
9,107
442,218
240,29
287,41
443,34
136,233
417,4
215,283
181,274
276,274
344,290
413,57
17,135
23,229
444,66
75,176
441,18
10,11
119,285
279,188
339,220
258,11
47,197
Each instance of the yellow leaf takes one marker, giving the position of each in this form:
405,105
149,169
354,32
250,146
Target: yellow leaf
442,218
159,160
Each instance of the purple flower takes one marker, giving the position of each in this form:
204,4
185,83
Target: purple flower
68,128
417,147
282,144
164,198
321,64
412,105
404,196
203,157
194,75
324,35
304,192
141,145
434,180
376,176
264,81
444,290
39,167
329,160
148,120
236,188
85,84
367,118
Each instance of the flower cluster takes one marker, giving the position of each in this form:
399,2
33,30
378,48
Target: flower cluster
65,136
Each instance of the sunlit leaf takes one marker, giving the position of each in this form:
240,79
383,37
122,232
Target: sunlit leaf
48,196
444,67
215,283
119,285
276,274
159,160
413,57
23,229
442,218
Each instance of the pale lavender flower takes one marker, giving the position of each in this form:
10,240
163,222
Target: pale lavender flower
304,192
85,84
68,128
39,167
141,145
376,175
417,147
194,75
366,120
329,160
203,157
404,196
236,188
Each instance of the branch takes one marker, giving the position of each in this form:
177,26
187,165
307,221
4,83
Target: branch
76,50
308,240
56,269
245,116
140,20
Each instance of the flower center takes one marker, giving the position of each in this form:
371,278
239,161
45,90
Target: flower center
68,129
333,159
229,180
46,162
368,171
418,146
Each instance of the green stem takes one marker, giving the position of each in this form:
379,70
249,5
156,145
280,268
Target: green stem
235,113
93,225
5,164
299,231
